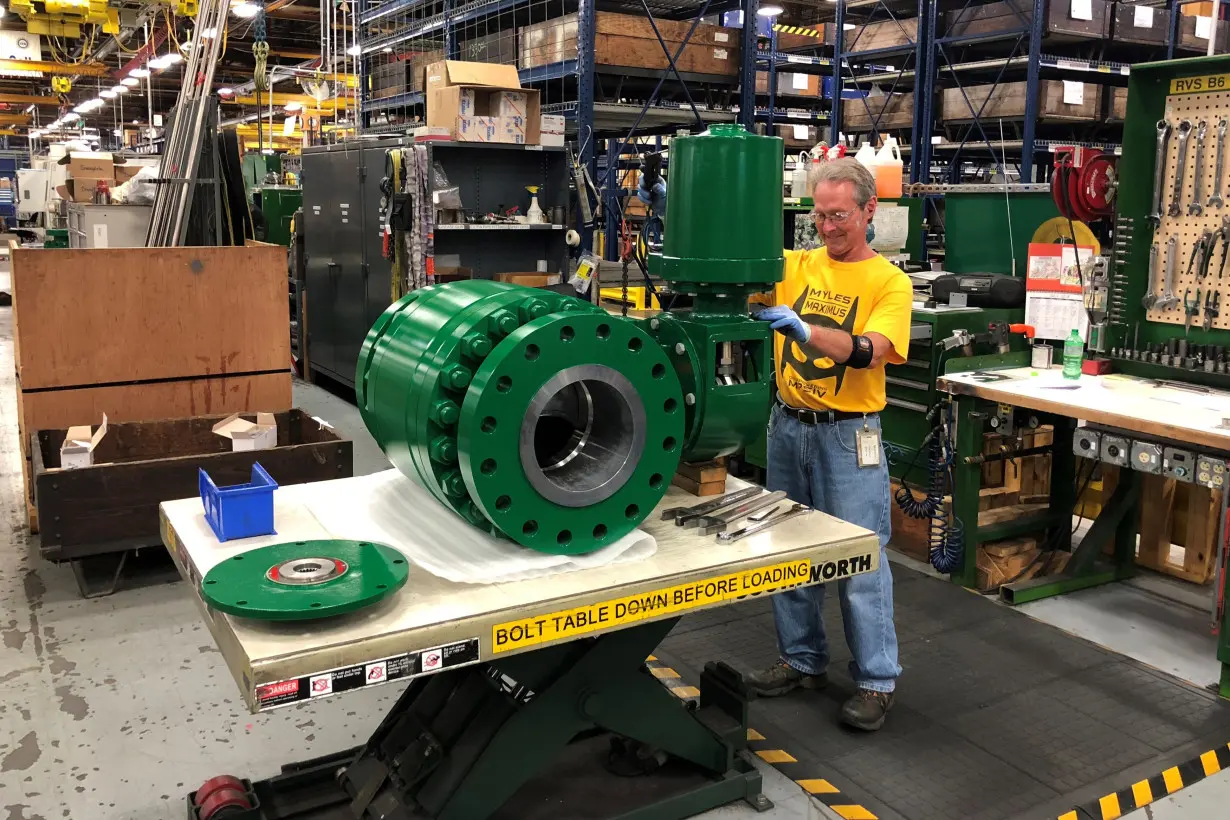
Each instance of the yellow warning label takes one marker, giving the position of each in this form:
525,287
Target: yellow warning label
604,615
1196,85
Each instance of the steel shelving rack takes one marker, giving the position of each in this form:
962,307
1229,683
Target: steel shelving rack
606,109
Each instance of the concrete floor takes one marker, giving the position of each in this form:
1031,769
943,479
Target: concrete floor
117,707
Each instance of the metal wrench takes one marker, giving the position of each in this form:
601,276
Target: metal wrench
1215,201
1150,298
1196,208
752,529
710,524
1168,299
710,506
1185,130
1163,139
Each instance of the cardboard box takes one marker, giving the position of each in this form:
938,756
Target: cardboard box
789,84
509,104
510,130
551,130
464,98
246,435
80,190
89,165
78,448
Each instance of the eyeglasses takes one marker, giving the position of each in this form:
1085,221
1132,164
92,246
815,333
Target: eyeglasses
839,218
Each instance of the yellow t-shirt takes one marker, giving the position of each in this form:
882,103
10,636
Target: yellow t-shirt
857,297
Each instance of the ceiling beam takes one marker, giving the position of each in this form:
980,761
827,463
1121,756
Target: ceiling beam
28,99
70,69
14,119
279,99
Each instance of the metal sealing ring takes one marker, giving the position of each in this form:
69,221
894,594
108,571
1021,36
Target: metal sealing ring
605,427
306,571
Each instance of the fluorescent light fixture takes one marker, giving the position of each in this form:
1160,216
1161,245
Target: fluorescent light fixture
267,151
136,122
130,81
80,109
354,51
387,49
173,57
159,63
119,132
120,89
107,94
139,72
226,91
244,11
769,10
294,106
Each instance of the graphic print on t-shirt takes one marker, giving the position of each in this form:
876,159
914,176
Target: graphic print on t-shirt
822,308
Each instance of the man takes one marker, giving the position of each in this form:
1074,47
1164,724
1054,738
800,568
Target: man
841,312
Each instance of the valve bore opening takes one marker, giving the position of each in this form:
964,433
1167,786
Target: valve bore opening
582,435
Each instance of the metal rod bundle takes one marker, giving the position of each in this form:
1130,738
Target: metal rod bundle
182,152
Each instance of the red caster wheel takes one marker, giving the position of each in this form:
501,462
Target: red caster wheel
213,784
223,803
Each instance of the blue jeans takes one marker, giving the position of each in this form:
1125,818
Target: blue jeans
816,464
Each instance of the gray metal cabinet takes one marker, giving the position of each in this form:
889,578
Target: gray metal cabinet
107,226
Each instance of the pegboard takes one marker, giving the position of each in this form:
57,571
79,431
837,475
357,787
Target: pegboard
1211,108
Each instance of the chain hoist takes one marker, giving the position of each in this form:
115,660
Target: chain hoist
260,49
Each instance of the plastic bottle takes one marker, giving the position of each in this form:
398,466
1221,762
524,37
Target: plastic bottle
1073,355
887,170
867,157
798,180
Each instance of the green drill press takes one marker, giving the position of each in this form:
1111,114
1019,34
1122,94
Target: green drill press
544,419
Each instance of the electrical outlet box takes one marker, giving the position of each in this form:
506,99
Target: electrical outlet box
1086,443
1147,457
1179,464
1116,450
1211,472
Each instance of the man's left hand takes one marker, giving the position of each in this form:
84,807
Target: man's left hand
786,322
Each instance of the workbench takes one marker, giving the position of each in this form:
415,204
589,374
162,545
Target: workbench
507,675
1139,409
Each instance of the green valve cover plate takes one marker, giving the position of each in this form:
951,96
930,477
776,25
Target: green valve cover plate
304,580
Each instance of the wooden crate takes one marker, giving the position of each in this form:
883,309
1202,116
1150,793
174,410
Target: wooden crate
142,334
403,74
1178,528
1188,41
790,84
878,113
1007,101
1114,103
886,34
1012,15
113,505
629,41
1136,23
786,41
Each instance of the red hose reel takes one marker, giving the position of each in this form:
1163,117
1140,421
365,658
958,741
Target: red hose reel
1084,183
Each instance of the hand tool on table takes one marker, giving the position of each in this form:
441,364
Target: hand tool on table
1215,200
1176,198
1197,206
752,529
1191,308
1168,355
763,514
713,505
1212,307
1159,170
1172,255
1181,354
710,524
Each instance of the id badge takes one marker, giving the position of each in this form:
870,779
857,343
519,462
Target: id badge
867,443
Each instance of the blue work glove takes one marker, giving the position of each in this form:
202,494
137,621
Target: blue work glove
654,197
786,322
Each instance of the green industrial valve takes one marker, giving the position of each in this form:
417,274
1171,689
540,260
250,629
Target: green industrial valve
542,418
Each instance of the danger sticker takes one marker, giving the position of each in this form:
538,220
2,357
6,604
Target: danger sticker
371,673
661,603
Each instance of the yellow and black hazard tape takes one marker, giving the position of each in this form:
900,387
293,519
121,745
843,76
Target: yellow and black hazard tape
771,753
1144,792
806,32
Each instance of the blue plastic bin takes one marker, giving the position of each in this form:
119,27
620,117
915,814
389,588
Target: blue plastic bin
241,511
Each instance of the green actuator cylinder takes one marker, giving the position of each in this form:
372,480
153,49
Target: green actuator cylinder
724,224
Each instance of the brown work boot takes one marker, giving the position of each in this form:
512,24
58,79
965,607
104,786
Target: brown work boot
782,678
866,709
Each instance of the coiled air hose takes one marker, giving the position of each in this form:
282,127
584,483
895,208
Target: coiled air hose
946,536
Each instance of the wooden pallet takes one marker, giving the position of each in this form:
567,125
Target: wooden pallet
1178,528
